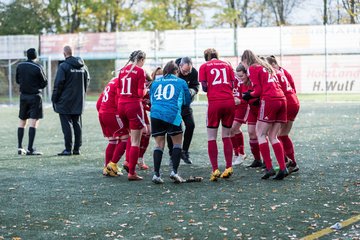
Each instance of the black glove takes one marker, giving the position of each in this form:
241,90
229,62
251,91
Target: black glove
256,102
246,96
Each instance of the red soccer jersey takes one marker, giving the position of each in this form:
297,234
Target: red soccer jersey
286,87
219,78
107,102
289,78
239,89
265,85
131,83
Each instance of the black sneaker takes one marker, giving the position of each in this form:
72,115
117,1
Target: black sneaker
65,153
293,167
76,152
281,174
268,173
255,164
185,156
33,152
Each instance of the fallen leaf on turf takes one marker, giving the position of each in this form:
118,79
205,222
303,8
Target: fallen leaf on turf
223,228
274,207
157,237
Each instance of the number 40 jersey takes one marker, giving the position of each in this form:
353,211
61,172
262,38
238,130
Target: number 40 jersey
167,96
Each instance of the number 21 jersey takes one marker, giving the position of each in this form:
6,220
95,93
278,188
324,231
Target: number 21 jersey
219,78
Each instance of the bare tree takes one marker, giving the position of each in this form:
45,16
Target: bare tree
282,9
352,7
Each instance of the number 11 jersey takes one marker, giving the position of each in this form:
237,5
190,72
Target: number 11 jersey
131,83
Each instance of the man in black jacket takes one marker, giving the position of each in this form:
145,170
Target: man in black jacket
190,75
31,78
71,82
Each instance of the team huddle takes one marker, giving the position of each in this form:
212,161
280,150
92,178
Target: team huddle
259,92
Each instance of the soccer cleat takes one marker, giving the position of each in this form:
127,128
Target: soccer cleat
255,164
134,177
76,152
141,164
215,175
293,167
268,173
237,160
65,153
113,167
108,173
186,157
281,174
21,151
126,166
157,180
177,179
227,173
33,152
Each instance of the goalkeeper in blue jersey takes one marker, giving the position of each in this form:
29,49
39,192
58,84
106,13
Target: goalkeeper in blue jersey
167,96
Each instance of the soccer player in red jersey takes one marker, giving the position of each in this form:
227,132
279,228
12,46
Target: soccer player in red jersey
272,110
293,106
217,79
112,127
254,106
145,138
241,114
131,90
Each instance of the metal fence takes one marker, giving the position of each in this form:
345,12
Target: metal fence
322,59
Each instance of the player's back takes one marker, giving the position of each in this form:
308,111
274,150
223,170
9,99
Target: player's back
131,80
219,76
270,87
109,97
167,95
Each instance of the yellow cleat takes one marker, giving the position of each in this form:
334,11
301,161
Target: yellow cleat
113,169
227,173
215,175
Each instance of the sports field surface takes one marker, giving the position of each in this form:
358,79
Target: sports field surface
52,197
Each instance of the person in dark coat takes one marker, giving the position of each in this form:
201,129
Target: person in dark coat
190,75
31,78
71,82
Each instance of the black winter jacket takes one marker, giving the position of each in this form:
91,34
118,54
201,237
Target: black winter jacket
71,82
31,77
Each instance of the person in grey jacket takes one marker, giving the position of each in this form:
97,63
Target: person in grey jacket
71,82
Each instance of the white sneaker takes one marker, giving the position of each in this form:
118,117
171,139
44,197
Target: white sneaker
237,160
21,151
243,156
176,177
157,180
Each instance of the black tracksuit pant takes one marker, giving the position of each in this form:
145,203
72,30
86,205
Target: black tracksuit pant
71,123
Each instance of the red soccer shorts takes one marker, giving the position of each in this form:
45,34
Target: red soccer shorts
132,115
273,111
253,115
241,113
223,111
292,111
112,125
